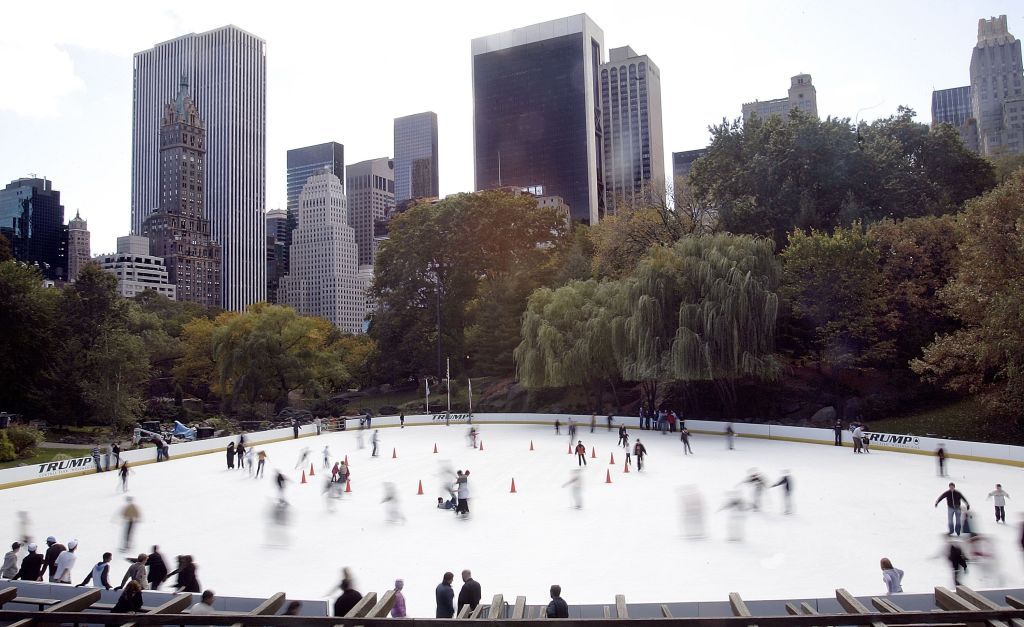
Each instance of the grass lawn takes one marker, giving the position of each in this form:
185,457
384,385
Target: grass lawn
47,454
960,420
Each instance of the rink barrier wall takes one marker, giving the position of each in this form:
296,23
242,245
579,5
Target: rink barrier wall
955,449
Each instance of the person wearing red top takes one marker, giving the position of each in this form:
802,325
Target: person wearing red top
581,453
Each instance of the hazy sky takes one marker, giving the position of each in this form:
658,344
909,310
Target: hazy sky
340,71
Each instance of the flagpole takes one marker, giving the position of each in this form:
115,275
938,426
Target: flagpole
448,381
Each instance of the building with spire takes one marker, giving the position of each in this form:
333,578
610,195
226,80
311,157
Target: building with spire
78,246
323,271
179,231
997,92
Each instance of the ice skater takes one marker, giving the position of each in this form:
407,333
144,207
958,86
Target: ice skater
230,451
758,484
954,502
737,515
892,577
622,436
262,455
786,482
640,451
471,436
240,452
593,422
981,551
581,453
393,511
250,456
940,458
575,485
131,515
344,473
954,554
1000,496
359,437
463,493
558,427
730,435
303,458
858,438
572,429
684,437
609,423
327,457
280,480
838,430
375,441
123,473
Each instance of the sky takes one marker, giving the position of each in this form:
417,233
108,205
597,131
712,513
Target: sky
339,71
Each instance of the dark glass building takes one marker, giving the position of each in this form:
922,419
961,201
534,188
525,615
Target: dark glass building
416,174
683,161
32,220
302,164
537,112
951,106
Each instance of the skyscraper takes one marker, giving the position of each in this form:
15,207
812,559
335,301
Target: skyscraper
32,220
802,95
227,71
278,234
323,279
78,246
953,106
997,93
416,174
179,231
634,153
537,112
683,161
304,163
371,199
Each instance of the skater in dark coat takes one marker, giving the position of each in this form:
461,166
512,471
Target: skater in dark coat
240,453
787,489
758,482
684,437
954,502
470,592
639,451
130,600
348,599
157,568
940,457
186,572
444,595
837,429
231,455
581,453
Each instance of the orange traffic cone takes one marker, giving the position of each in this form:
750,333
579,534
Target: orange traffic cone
394,453
481,445
570,448
346,460
513,490
593,453
531,445
303,477
611,462
625,467
435,447
608,476
348,486
420,490
311,471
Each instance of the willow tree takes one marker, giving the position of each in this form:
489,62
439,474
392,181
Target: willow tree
568,338
702,309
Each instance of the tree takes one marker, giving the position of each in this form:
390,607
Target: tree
195,370
117,368
770,176
28,346
831,283
986,295
433,264
5,249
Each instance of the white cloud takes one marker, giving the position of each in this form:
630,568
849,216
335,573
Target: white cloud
40,77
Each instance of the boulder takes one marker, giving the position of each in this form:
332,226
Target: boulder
826,415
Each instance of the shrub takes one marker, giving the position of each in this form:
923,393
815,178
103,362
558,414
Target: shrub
7,453
23,439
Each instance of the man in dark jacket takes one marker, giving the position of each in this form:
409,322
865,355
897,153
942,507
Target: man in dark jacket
558,608
31,566
50,560
837,429
470,592
445,597
347,600
157,568
954,499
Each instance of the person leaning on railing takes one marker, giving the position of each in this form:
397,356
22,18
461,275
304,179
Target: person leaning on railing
558,608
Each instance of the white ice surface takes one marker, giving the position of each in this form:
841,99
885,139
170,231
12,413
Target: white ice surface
850,511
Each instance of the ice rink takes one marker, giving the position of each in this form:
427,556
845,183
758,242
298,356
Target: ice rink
850,510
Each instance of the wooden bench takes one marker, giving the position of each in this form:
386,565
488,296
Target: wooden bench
383,607
363,607
738,606
853,606
463,612
951,602
620,606
7,594
270,606
984,603
496,604
175,605
74,604
42,603
519,609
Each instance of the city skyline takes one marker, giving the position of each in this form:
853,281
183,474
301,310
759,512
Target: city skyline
84,108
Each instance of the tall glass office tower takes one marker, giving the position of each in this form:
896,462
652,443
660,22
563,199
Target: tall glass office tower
416,174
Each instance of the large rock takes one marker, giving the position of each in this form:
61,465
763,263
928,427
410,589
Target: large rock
825,415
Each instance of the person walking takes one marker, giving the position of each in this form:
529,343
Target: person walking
892,577
157,569
231,455
98,574
837,429
131,515
32,566
10,568
470,592
398,609
375,441
684,437
639,451
581,453
444,597
262,457
954,502
1000,501
96,457
557,608
940,458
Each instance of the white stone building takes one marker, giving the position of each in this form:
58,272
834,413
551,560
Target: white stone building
135,269
323,277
